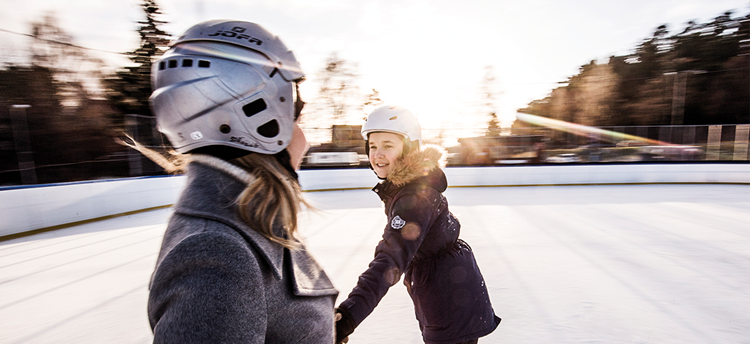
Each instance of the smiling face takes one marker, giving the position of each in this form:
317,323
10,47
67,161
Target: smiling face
385,149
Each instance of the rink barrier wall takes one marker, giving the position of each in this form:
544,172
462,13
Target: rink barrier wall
26,210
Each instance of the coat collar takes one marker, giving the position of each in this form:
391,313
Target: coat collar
421,167
213,186
417,164
212,189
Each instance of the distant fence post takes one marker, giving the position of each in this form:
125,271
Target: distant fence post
713,146
665,134
134,157
24,154
688,135
678,98
741,135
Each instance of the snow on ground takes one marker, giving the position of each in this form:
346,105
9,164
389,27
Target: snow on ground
569,264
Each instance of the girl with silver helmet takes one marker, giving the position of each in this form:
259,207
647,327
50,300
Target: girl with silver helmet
420,240
231,269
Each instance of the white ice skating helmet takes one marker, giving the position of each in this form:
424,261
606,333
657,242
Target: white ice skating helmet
393,119
226,83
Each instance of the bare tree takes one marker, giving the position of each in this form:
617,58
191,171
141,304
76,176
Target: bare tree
75,71
338,93
372,101
338,99
67,126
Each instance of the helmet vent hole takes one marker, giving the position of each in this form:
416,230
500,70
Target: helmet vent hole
225,129
172,63
392,118
254,107
270,129
204,63
187,63
162,65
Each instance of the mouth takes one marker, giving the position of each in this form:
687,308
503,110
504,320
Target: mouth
381,164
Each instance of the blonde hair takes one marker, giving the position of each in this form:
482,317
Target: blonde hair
274,194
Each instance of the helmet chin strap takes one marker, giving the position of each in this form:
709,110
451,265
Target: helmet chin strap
221,152
230,153
285,160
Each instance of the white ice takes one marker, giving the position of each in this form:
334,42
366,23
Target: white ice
570,264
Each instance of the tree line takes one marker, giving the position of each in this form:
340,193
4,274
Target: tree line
695,76
60,114
76,111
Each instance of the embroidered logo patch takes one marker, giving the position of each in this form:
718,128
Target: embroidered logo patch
397,222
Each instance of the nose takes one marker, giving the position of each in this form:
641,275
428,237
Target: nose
304,138
373,156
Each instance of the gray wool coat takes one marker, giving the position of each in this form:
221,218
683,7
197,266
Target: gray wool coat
218,281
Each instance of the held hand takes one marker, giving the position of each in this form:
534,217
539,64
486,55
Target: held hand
336,318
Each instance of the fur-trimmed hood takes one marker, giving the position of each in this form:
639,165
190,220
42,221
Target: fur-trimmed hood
416,164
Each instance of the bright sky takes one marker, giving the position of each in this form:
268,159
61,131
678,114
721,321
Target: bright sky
427,55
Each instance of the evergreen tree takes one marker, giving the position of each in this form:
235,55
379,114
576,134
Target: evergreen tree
705,66
130,88
489,95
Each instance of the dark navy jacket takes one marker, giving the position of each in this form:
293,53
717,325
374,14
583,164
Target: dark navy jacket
421,241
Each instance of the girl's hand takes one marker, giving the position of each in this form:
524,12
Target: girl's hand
336,318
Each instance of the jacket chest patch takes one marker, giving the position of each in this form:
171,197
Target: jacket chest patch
397,222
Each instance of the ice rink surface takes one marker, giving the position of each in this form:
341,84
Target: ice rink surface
568,264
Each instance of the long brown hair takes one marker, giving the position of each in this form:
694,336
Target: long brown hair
274,193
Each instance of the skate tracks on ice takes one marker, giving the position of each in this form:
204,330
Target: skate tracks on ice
567,264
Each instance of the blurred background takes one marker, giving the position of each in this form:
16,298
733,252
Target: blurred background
494,82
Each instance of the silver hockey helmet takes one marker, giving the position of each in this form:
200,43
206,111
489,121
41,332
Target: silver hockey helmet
227,83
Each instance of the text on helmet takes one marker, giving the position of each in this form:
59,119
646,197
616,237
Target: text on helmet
237,32
242,141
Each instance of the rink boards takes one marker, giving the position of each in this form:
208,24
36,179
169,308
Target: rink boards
47,207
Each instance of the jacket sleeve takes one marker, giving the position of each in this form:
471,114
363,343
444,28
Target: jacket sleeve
208,289
409,219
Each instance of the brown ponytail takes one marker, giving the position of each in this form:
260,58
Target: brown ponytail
275,194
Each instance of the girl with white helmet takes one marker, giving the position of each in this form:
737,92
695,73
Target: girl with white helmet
420,240
231,269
